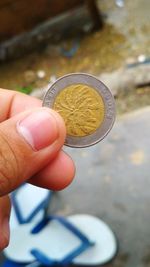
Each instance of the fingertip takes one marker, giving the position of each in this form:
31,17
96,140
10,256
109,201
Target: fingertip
60,123
61,128
57,175
4,242
68,173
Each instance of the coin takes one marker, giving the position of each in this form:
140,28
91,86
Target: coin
86,105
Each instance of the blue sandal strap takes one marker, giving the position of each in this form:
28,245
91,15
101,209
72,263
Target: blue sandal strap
86,243
18,212
46,261
9,263
64,222
42,259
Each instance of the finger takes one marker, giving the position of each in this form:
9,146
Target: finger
12,103
28,142
57,174
4,222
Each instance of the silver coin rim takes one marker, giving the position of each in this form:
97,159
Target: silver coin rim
104,92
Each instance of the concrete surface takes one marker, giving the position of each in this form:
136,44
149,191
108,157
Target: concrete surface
113,183
132,20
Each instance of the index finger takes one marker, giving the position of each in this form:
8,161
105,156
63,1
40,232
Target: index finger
12,102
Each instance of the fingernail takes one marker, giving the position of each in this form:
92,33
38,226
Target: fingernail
6,230
39,129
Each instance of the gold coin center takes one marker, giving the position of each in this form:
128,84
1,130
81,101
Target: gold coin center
82,109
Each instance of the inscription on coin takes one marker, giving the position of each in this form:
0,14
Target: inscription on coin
82,109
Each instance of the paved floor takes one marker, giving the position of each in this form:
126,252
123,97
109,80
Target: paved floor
133,21
113,183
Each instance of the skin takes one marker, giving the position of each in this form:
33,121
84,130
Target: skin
49,168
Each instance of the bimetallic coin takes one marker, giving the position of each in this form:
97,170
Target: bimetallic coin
86,105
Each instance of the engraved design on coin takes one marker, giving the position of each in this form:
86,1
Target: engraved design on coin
82,109
86,105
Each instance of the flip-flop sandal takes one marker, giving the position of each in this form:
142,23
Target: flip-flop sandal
28,204
79,240
9,263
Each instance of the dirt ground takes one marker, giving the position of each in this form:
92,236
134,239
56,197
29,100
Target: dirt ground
124,38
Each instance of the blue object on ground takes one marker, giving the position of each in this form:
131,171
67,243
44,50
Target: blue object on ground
38,202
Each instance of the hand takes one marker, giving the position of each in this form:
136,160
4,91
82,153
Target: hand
31,138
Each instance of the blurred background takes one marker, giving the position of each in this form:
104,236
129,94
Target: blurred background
44,39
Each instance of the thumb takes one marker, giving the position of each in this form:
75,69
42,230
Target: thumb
28,142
